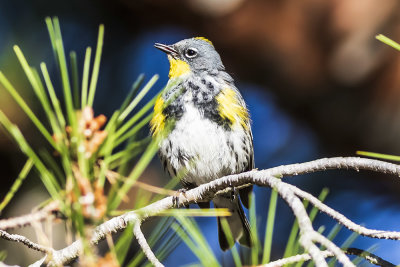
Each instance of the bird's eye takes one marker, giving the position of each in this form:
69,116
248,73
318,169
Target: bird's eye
191,53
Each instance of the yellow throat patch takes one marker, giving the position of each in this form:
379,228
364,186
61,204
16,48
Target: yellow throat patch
177,67
157,123
229,108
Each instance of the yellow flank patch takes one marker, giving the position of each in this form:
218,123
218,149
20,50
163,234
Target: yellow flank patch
230,108
157,123
177,67
204,39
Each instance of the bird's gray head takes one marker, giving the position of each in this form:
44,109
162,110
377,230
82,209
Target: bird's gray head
195,54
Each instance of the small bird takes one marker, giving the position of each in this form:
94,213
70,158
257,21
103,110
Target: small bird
204,126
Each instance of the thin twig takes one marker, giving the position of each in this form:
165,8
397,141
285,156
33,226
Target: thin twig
369,257
25,241
340,255
340,218
145,246
112,175
326,253
308,236
296,258
155,189
28,219
337,163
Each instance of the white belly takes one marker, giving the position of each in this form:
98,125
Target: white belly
202,149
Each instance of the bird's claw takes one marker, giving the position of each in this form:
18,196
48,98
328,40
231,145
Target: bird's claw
176,198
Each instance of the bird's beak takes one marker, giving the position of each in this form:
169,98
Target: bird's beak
168,49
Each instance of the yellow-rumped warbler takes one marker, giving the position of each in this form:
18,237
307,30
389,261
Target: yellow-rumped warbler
210,136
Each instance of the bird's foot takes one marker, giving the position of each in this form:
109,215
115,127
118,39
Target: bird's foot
176,198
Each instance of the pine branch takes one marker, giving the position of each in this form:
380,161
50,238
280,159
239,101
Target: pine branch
309,237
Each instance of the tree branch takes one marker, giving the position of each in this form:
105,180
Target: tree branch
28,219
25,241
355,163
308,236
340,255
296,258
262,178
326,253
340,218
145,247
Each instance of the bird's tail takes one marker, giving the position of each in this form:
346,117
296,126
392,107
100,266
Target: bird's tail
238,223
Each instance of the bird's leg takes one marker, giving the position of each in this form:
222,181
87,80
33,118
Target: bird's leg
234,194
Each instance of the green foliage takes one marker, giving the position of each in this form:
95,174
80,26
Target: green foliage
3,255
194,239
228,234
91,158
388,41
379,155
17,183
269,230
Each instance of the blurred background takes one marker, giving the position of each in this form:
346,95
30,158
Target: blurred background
317,83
